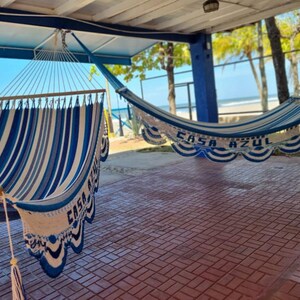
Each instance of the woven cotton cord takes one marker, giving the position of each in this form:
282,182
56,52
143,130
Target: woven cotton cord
16,279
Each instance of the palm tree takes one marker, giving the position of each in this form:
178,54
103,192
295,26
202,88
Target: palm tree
162,56
278,59
244,42
290,29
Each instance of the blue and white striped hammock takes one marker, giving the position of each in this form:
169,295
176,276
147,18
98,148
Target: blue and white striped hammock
49,171
254,139
50,153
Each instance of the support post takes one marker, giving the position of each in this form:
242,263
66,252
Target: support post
204,78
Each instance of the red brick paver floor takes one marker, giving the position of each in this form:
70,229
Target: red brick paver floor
193,230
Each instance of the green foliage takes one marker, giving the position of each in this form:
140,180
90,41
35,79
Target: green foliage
290,31
155,58
289,27
241,42
93,71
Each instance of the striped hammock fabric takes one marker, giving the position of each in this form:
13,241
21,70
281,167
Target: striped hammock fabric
255,139
50,159
52,139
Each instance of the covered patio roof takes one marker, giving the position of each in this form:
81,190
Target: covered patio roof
118,30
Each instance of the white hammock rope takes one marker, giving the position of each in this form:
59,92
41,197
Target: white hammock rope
54,69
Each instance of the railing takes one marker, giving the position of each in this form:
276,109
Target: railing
190,108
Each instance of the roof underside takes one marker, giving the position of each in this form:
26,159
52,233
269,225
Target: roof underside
21,41
149,20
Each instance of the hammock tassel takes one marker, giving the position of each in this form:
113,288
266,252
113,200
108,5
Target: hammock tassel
16,281
18,292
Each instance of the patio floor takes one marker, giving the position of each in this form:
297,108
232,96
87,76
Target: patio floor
190,230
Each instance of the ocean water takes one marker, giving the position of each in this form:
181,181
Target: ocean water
183,107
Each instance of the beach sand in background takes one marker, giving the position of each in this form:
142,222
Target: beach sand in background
127,143
236,112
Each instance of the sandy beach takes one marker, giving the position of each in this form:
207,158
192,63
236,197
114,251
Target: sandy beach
234,113
127,143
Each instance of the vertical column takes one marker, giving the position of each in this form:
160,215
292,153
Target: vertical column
204,78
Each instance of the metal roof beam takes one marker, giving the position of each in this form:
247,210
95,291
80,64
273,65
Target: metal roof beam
25,53
104,44
47,39
21,17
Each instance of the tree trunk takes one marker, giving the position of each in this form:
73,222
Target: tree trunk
294,67
171,81
264,85
249,56
278,59
171,94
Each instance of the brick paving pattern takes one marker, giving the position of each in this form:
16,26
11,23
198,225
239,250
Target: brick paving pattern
193,230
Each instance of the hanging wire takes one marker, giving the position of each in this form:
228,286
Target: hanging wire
14,84
70,71
81,69
79,73
55,62
66,75
17,87
61,85
58,73
40,74
73,68
33,79
51,72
